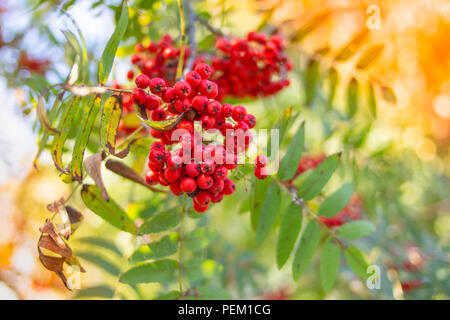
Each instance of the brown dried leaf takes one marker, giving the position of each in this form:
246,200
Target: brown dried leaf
126,172
93,168
48,243
75,218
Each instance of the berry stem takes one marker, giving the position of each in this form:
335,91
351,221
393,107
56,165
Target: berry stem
182,29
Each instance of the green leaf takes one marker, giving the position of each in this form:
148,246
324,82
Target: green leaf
305,251
101,262
111,114
89,116
268,213
200,238
371,99
356,229
357,261
100,291
370,56
289,163
102,243
333,79
141,146
318,178
350,49
166,246
107,59
107,210
352,97
258,194
282,124
162,271
207,293
312,75
388,94
329,265
163,221
64,127
335,202
197,268
291,224
171,295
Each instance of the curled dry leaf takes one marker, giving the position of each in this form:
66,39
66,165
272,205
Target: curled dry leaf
42,115
93,168
52,248
126,172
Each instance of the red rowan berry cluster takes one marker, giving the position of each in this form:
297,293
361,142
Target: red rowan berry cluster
352,211
251,66
200,171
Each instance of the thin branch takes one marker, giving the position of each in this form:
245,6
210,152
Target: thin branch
181,60
191,34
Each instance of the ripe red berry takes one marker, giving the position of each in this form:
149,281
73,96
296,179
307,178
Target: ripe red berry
199,208
216,197
182,105
157,145
172,175
261,161
208,89
175,188
204,181
208,166
203,198
217,187
158,114
139,47
214,107
193,169
238,113
130,75
226,110
174,161
250,120
152,177
156,156
188,184
163,180
229,186
139,96
261,173
152,102
200,103
208,122
203,70
168,95
142,81
220,173
182,89
193,78
157,85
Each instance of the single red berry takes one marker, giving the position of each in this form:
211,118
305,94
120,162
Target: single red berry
157,85
152,102
216,197
174,161
152,177
172,175
199,208
175,188
203,198
193,169
229,186
142,81
261,173
193,78
250,120
182,105
139,96
157,145
261,161
204,181
220,173
208,166
158,114
203,70
208,89
156,166
188,184
182,89
214,108
139,47
238,113
163,180
130,74
226,110
156,156
217,187
168,95
200,103
135,59
208,122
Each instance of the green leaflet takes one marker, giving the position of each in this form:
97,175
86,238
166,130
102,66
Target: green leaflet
356,229
350,49
101,262
64,128
333,78
107,210
199,239
111,114
289,230
107,59
352,97
164,247
305,251
257,196
289,163
312,75
357,261
162,271
318,178
370,56
163,221
101,291
329,265
335,202
371,100
388,94
269,212
102,243
89,116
